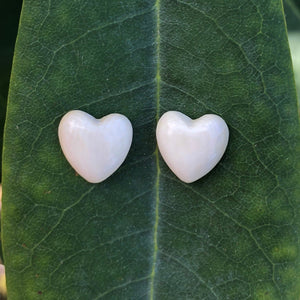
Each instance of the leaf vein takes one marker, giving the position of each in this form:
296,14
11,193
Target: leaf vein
182,264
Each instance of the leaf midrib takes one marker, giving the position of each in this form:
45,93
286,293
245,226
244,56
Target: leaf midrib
158,81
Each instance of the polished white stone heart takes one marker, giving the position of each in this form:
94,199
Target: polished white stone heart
94,148
191,148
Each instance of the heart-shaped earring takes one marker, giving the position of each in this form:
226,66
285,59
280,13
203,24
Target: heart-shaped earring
191,148
95,148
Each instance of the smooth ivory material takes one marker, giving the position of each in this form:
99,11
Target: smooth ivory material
95,148
191,148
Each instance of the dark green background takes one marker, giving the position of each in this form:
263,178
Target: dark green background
9,19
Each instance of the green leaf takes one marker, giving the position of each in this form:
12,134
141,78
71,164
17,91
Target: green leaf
143,234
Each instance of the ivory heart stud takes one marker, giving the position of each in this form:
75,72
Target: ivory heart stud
191,148
94,148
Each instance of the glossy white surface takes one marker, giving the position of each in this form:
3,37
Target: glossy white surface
95,148
191,148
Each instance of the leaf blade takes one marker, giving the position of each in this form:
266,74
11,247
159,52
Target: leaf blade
142,232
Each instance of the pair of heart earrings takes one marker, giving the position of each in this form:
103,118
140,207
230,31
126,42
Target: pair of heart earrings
97,148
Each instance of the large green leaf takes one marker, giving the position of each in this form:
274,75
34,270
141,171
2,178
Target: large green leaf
143,234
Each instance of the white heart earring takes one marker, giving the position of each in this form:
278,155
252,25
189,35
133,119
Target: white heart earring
191,148
95,148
